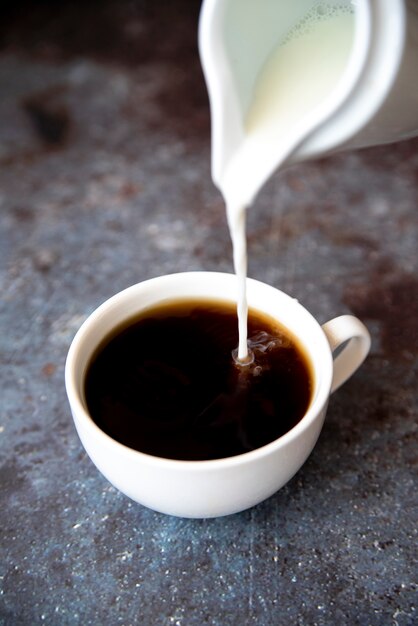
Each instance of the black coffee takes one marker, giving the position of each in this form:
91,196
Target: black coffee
167,384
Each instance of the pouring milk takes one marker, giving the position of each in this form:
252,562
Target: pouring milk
297,76
290,81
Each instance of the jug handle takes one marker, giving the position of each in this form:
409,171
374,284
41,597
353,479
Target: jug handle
349,337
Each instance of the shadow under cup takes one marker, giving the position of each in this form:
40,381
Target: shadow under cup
200,488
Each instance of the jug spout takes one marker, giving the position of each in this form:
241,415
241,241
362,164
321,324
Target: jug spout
372,97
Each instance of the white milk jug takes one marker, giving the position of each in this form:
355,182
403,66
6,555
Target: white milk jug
292,80
289,81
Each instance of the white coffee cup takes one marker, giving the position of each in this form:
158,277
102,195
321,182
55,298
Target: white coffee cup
222,486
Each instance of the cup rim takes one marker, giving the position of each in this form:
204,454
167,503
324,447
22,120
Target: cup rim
80,412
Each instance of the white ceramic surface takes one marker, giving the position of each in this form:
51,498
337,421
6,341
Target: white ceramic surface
374,102
222,486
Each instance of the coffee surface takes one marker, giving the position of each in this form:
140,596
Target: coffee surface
166,383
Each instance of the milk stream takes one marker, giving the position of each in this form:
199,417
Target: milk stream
300,73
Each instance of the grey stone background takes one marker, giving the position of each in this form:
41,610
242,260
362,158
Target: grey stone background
104,182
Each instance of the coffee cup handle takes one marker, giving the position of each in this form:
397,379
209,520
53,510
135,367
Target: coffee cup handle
352,338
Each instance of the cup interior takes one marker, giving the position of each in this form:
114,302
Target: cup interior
205,285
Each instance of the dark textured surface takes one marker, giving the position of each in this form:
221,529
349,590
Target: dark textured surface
104,181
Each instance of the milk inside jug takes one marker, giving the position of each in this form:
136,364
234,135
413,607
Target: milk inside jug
290,81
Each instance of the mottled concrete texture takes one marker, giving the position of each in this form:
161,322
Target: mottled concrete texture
104,181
